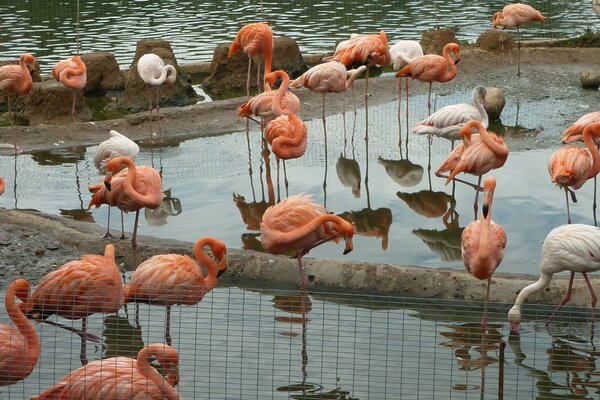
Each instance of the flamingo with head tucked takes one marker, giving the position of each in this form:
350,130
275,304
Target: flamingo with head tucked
171,279
297,225
483,243
19,344
16,79
122,378
571,166
256,40
72,73
154,72
515,15
131,189
433,68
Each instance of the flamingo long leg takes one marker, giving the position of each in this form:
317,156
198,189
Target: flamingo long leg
168,337
82,354
594,205
258,85
82,334
367,104
485,305
429,100
518,53
16,150
107,235
134,236
302,277
158,116
568,210
73,108
592,295
150,109
122,227
564,301
248,77
285,180
475,207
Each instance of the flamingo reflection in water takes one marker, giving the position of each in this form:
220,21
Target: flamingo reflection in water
348,172
404,172
445,242
170,207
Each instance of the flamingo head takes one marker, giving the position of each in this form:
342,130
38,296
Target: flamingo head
21,287
28,61
514,318
569,137
480,93
271,78
488,195
168,359
220,252
346,230
498,20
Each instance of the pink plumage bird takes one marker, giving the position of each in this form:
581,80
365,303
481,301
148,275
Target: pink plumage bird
403,52
256,40
433,68
19,343
571,166
483,243
171,279
16,80
131,189
72,73
2,186
515,15
477,155
297,224
122,378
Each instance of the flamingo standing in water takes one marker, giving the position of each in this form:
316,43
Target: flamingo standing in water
328,77
131,189
573,248
122,378
297,225
477,155
515,15
115,146
403,53
483,243
272,103
571,166
256,40
448,121
72,73
171,279
154,72
19,344
433,68
16,79
92,284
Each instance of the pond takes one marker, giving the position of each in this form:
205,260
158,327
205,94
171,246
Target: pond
268,343
48,28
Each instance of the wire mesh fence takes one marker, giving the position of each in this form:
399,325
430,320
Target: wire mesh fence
257,343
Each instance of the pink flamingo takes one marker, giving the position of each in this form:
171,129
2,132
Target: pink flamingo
16,79
477,155
171,279
328,77
19,344
122,378
287,136
72,73
2,186
256,40
483,243
433,68
78,289
403,52
571,166
131,189
297,225
572,248
272,103
515,15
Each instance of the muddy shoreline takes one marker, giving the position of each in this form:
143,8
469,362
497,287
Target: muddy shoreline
32,244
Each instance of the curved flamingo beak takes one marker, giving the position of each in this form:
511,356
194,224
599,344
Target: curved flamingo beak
107,180
514,327
348,247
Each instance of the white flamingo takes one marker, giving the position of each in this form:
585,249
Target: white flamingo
447,121
403,52
115,146
154,72
573,248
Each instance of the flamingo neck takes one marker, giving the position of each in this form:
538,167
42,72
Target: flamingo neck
450,67
128,184
500,150
540,284
593,148
353,75
286,147
168,74
26,83
22,322
268,54
149,372
212,268
311,226
277,101
480,109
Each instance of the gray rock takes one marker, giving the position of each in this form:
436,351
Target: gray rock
496,41
180,93
494,102
103,73
49,102
589,79
230,74
434,40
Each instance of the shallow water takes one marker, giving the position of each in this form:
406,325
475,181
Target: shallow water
48,28
202,177
251,343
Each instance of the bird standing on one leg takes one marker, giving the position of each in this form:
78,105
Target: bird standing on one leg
483,243
515,15
72,73
154,72
16,79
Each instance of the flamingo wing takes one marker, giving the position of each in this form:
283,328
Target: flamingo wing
574,245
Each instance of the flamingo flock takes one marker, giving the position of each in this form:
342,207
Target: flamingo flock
293,226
